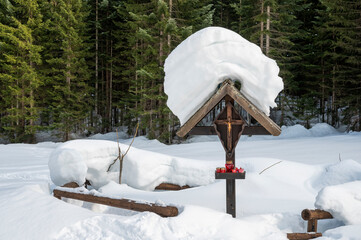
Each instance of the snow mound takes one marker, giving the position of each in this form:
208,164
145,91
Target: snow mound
342,201
111,136
296,131
339,173
77,160
67,166
193,223
350,232
200,63
145,170
323,129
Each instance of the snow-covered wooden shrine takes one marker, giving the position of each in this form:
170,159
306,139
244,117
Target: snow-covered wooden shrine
229,125
212,59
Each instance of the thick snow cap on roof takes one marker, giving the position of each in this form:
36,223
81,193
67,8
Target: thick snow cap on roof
195,68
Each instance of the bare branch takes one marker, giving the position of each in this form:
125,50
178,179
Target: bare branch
114,161
119,153
136,131
123,155
269,167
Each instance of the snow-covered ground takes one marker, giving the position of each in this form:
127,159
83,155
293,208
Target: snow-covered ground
320,167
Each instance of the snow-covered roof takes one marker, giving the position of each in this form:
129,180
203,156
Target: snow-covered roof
200,63
229,89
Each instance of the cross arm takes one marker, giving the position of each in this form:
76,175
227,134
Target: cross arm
209,130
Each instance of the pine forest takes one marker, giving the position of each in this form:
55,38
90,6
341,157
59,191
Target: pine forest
85,67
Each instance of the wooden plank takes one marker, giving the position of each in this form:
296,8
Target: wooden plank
230,175
303,236
249,107
203,111
228,88
255,130
203,130
171,187
164,211
308,214
209,130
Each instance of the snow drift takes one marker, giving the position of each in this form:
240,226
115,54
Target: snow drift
194,69
77,160
343,201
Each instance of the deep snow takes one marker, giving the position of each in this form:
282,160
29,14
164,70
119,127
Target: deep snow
319,166
195,67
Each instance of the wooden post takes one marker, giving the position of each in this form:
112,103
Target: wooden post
312,216
231,189
229,126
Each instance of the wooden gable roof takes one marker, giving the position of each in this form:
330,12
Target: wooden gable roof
229,89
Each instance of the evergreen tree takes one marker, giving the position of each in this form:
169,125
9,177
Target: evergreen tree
67,76
19,79
337,29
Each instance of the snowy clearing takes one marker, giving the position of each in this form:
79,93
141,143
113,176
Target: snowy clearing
268,205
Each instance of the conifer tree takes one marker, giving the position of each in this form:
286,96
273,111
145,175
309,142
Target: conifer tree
338,28
67,90
19,79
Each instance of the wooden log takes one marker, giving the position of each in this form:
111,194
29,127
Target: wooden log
164,211
71,185
312,225
308,214
171,187
303,236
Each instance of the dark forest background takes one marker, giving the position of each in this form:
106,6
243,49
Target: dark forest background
77,66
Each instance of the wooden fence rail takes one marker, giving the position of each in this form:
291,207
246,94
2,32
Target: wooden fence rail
164,211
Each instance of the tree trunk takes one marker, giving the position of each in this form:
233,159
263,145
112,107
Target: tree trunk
96,57
323,93
107,89
334,108
262,27
240,17
268,29
110,85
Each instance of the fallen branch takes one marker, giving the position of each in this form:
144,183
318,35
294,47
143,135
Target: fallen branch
269,167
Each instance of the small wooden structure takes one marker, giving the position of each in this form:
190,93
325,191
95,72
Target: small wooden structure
312,216
68,191
229,126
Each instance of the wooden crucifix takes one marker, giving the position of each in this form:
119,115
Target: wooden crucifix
229,126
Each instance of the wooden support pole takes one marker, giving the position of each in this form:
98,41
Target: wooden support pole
164,211
231,196
303,236
312,225
231,187
312,216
